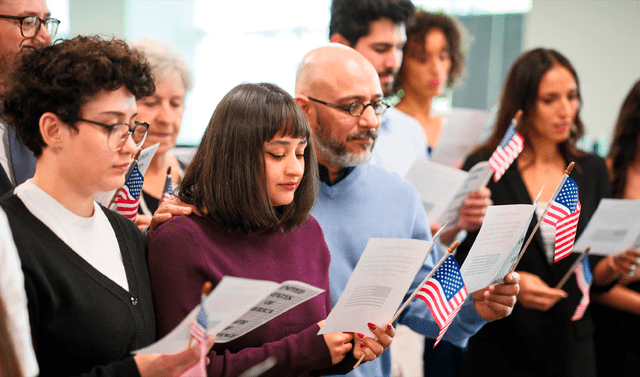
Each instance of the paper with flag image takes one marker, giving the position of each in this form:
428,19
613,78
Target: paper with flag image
584,279
563,213
509,148
235,307
199,334
444,294
383,276
128,197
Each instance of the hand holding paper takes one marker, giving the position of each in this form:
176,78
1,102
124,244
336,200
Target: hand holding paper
369,348
474,208
497,301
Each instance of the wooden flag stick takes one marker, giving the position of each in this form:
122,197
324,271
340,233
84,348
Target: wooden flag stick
126,176
166,182
433,271
207,287
553,197
573,267
516,119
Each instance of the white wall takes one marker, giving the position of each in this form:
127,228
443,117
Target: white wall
602,41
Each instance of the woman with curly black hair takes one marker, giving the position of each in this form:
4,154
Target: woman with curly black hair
89,298
434,58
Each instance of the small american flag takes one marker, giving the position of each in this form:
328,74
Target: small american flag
199,334
584,279
563,214
168,189
444,294
129,195
506,152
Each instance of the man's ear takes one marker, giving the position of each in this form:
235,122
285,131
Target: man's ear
303,102
309,111
51,128
339,38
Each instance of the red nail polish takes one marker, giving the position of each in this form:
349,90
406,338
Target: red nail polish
372,327
389,326
362,345
361,336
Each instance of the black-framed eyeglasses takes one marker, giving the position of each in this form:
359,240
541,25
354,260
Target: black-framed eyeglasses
356,108
119,133
30,25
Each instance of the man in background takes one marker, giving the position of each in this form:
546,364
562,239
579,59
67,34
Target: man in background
23,24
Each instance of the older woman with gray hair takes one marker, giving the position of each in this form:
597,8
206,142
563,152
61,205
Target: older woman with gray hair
163,111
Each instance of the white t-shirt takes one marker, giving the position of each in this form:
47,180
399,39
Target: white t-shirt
15,300
92,237
400,142
548,234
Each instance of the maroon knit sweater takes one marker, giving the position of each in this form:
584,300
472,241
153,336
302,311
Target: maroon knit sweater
189,250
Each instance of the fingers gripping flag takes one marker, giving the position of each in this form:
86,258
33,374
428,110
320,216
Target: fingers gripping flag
506,152
563,214
199,334
444,294
584,279
129,195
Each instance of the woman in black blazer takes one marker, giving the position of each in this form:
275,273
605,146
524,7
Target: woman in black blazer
540,338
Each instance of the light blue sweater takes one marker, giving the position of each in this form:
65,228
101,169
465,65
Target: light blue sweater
372,203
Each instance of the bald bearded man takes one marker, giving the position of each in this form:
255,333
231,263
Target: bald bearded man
340,93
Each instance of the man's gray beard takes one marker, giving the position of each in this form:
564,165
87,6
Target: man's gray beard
387,89
335,152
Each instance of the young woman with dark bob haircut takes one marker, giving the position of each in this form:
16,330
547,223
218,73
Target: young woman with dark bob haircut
540,338
89,297
616,312
254,179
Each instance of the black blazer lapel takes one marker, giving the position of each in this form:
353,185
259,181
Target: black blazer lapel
5,183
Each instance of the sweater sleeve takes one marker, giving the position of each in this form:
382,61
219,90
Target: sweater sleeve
417,315
122,368
178,270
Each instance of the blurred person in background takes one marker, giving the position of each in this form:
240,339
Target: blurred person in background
434,59
616,312
163,111
23,24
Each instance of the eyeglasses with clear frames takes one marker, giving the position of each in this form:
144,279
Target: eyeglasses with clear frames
30,25
119,133
356,108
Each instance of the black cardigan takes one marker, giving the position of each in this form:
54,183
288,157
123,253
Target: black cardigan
82,322
530,341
